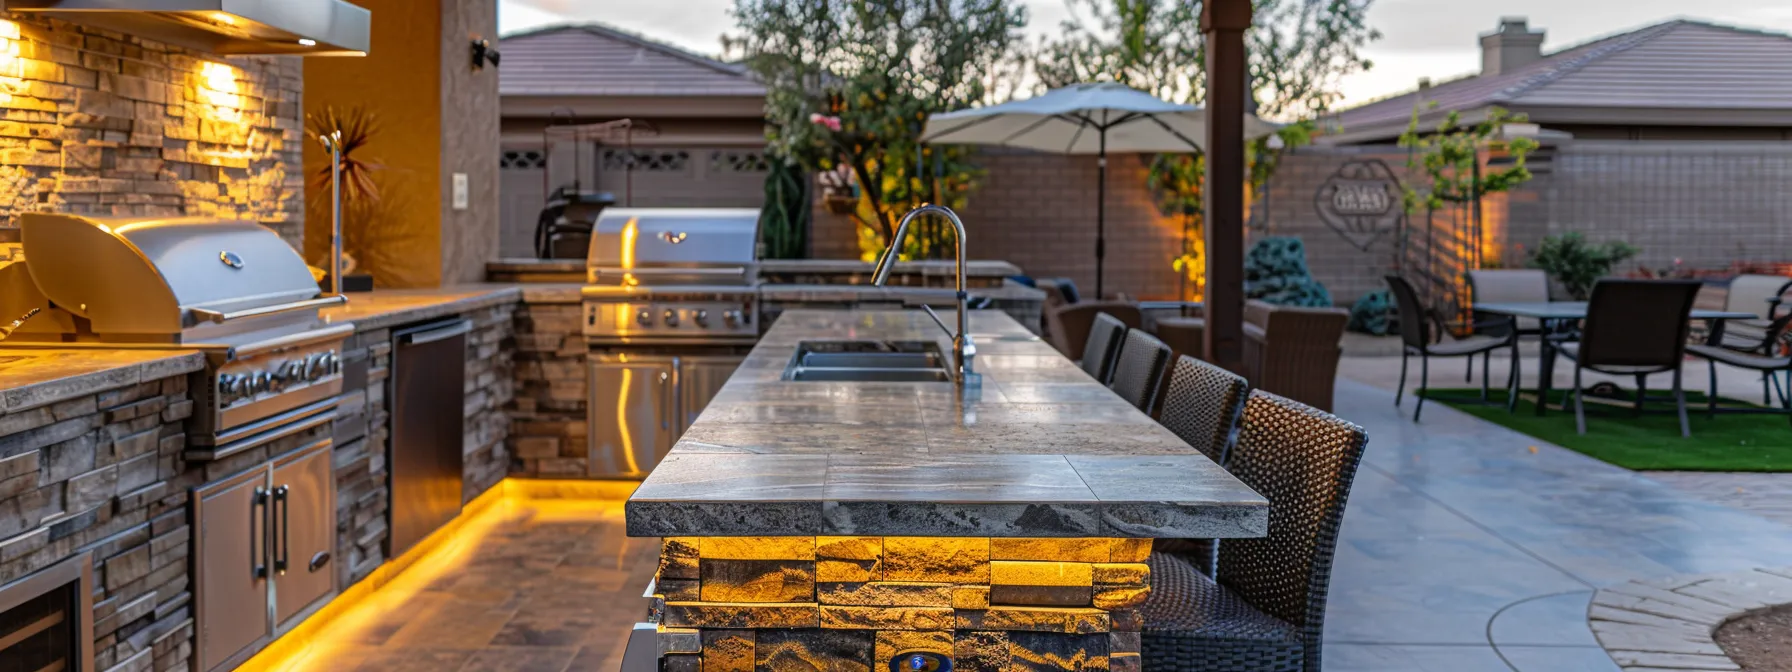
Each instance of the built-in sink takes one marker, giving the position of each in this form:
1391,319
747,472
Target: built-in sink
870,361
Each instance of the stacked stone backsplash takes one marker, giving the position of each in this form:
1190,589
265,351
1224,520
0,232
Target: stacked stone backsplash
103,474
98,122
362,431
775,603
548,416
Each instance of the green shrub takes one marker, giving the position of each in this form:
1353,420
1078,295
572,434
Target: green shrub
1373,313
1275,271
1575,263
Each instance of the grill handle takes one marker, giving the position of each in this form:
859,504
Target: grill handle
216,317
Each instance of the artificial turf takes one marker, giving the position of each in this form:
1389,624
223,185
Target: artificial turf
1652,442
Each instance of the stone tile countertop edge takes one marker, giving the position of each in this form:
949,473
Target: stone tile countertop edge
34,377
386,308
1042,451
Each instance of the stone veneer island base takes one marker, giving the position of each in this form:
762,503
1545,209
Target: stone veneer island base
834,525
739,604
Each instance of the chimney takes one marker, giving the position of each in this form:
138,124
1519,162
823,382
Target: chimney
1511,47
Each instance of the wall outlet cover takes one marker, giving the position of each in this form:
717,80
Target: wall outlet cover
460,191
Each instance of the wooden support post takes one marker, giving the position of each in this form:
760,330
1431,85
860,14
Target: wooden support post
1224,23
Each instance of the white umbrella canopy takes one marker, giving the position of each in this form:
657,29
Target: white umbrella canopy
1071,120
1097,119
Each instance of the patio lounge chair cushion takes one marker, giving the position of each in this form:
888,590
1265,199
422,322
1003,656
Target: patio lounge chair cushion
1511,286
1213,628
1468,346
1740,359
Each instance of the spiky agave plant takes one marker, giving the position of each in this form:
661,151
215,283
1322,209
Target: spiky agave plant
357,125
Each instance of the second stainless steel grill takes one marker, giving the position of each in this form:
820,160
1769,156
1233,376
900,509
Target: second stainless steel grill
671,309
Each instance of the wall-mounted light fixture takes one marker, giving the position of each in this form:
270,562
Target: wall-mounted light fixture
483,54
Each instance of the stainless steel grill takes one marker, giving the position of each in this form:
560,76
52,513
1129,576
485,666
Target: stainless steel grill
671,310
233,290
673,275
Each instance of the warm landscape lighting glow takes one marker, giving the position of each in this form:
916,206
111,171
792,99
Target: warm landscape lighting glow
307,42
224,18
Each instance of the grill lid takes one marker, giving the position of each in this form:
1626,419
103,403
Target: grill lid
636,238
153,276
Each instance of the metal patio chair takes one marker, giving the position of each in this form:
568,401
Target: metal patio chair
1416,336
1102,347
1634,328
1139,370
1264,610
1769,362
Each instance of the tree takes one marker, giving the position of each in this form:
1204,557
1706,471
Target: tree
1298,52
851,82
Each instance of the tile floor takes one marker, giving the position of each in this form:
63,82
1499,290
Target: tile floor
528,586
1462,551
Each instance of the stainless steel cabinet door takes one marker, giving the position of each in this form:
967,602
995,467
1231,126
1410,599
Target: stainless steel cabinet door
631,414
231,565
699,378
304,508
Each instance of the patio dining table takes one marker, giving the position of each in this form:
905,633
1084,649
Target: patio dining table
1552,314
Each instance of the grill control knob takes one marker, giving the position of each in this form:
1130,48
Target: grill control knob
701,318
317,366
645,317
259,382
671,317
732,318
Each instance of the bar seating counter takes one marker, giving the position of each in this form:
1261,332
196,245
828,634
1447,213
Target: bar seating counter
1041,450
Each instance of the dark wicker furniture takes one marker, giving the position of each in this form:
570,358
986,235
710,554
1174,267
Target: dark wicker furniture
1103,347
1265,608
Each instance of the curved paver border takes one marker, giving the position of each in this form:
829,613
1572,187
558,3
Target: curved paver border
1667,624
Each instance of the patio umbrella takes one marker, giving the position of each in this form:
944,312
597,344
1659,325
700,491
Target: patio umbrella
1084,119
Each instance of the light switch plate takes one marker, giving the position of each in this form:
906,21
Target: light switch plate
460,191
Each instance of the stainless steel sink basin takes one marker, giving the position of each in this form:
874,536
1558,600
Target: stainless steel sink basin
870,361
872,375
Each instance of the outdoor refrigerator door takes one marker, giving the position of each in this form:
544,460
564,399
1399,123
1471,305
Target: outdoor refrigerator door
304,514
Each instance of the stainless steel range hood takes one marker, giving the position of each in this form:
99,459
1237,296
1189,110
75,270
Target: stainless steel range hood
229,27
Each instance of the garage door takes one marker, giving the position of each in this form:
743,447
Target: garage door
711,177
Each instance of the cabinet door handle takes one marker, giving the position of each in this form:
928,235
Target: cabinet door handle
665,419
318,561
258,557
282,502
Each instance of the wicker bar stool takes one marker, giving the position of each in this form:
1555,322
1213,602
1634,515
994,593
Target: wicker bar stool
1140,369
1103,347
1201,407
1265,608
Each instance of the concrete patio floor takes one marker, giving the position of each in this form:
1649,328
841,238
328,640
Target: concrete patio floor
1464,551
1461,551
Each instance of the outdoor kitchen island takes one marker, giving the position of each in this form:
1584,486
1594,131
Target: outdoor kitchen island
848,524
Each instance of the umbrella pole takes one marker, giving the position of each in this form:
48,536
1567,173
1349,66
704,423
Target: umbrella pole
1101,215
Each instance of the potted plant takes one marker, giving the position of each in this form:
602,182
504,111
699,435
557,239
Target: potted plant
1576,264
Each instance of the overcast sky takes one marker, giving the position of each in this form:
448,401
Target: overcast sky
1421,38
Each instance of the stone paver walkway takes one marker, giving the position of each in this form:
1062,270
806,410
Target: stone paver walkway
1464,551
1667,623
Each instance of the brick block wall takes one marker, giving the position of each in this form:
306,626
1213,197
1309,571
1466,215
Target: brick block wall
104,474
1037,211
98,122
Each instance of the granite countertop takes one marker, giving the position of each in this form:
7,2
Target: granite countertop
911,295
385,308
38,376
1042,451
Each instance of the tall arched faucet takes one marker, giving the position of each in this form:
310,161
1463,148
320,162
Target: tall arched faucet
963,350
